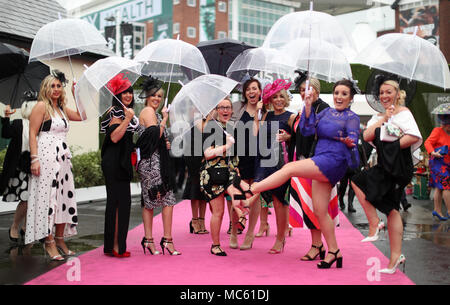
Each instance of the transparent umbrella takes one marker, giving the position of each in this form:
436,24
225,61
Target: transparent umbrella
323,60
309,24
65,37
92,95
172,60
196,100
408,56
442,109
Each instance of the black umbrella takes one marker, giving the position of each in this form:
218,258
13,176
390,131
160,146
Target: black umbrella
12,59
26,78
220,53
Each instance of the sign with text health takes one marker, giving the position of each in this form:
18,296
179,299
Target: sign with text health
136,10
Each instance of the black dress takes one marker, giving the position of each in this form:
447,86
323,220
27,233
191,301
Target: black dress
383,184
118,172
246,146
193,155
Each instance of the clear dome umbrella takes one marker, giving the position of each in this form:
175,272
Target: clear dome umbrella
408,56
323,60
196,100
92,95
309,24
172,60
65,37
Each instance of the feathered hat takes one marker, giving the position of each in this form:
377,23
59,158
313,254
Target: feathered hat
60,76
273,88
150,87
118,84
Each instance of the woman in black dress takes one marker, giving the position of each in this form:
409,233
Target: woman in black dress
116,166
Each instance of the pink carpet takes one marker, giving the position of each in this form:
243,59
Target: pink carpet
196,266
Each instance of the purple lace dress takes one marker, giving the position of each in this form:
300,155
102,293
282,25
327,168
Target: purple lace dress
331,155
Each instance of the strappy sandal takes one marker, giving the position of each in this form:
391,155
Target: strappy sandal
242,195
321,254
220,253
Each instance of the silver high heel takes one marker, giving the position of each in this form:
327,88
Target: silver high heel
58,257
70,253
401,260
377,233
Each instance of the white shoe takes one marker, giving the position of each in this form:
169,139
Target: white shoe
401,260
376,235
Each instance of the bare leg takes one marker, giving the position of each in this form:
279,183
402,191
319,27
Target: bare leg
303,168
59,238
201,215
446,195
255,209
369,209
438,201
395,229
195,204
321,197
19,216
167,216
217,211
264,223
281,212
316,240
147,218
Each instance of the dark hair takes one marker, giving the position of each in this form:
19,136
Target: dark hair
300,79
247,84
118,97
347,83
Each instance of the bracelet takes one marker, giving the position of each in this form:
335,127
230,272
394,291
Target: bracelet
34,156
35,160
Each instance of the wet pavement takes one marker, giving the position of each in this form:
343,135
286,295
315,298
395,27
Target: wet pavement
426,243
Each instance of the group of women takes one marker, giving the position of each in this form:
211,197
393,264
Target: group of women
318,143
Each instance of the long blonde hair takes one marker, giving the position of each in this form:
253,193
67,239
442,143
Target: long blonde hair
45,93
401,94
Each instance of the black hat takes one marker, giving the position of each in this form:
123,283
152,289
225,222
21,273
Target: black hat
150,87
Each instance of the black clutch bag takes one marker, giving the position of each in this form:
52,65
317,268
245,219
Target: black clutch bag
157,191
218,175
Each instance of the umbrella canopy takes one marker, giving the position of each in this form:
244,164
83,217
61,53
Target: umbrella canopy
12,59
220,53
273,63
172,60
65,37
27,78
92,96
408,56
196,100
323,60
309,24
442,109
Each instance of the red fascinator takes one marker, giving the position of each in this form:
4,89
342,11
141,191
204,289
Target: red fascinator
273,88
118,84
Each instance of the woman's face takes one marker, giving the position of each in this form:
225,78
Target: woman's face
155,100
224,110
341,97
388,95
278,101
302,90
126,98
253,93
56,89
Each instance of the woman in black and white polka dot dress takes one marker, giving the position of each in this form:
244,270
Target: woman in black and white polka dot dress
52,208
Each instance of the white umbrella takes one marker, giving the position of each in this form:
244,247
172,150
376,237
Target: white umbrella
309,24
196,100
324,60
65,37
92,96
408,56
172,60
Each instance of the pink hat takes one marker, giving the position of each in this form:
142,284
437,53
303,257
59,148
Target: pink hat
273,88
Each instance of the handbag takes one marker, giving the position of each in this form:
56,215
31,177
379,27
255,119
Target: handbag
157,191
390,133
218,175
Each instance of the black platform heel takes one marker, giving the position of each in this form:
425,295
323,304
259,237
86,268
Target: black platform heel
321,254
191,227
325,265
220,253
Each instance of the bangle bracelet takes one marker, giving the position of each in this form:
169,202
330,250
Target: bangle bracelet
34,156
34,160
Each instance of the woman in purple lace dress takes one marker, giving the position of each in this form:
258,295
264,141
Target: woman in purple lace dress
337,131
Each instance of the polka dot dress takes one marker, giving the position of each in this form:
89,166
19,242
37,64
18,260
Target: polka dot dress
51,195
17,188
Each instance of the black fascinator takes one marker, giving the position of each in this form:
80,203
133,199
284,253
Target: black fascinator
60,76
150,87
377,78
300,79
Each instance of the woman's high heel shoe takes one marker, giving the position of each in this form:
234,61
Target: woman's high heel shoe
219,253
164,242
191,226
266,230
377,233
57,258
401,260
125,254
61,250
243,195
436,214
248,243
320,254
145,244
202,226
275,251
326,265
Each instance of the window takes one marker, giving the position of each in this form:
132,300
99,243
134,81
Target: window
191,32
176,28
175,2
221,35
222,6
191,3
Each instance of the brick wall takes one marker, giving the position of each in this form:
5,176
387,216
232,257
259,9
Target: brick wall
187,16
444,28
221,19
